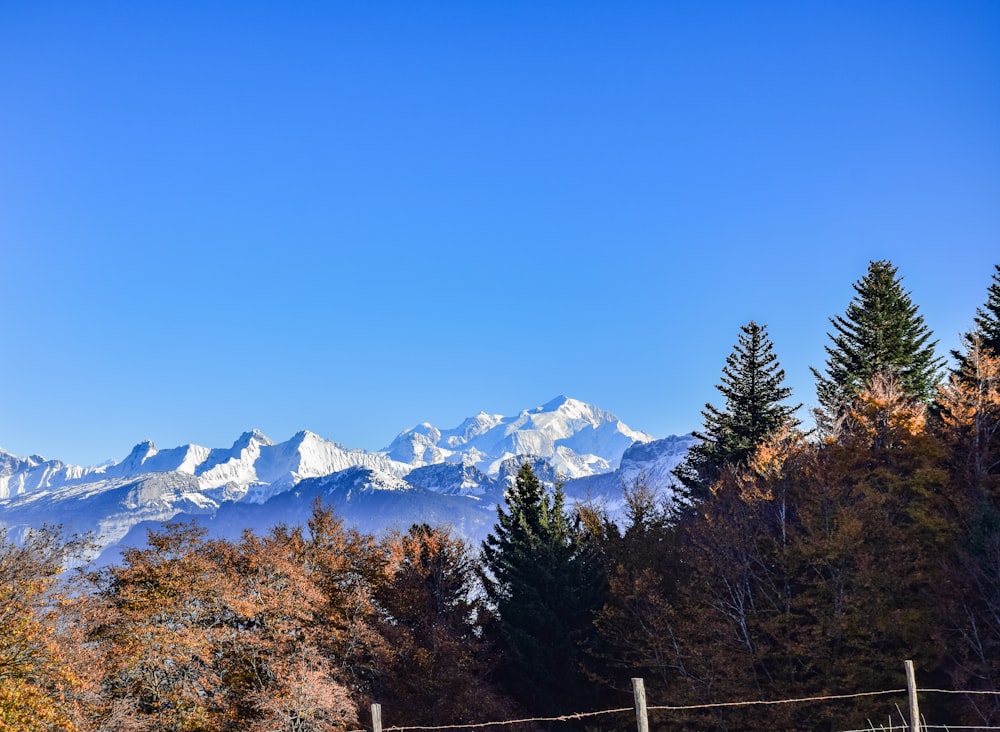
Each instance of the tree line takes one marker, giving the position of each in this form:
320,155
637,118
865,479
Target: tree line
782,562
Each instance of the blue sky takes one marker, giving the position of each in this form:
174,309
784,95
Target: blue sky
352,217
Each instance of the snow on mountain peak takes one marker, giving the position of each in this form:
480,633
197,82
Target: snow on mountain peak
254,435
580,439
307,455
559,402
18,476
140,454
577,438
564,438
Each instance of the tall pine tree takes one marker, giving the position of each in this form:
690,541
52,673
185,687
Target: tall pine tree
881,332
545,581
987,326
754,409
988,316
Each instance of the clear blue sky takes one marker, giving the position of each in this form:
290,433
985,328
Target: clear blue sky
351,217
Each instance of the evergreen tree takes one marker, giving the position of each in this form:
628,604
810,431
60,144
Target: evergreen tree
988,317
754,409
880,332
987,325
545,582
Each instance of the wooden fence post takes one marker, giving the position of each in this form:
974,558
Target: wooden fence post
639,692
911,690
376,718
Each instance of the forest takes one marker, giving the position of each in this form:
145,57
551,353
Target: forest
786,560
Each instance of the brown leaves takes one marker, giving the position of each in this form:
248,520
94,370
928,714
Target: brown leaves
970,411
204,635
882,415
771,455
41,674
305,697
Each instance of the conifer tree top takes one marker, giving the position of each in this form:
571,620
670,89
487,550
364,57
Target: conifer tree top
880,332
754,409
987,318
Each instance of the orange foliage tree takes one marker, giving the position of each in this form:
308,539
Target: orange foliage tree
43,675
969,407
809,570
215,635
269,651
157,624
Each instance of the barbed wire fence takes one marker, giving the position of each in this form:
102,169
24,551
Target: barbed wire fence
909,720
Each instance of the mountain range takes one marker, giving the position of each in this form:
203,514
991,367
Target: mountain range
426,475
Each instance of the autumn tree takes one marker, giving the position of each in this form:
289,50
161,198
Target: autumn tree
754,407
347,566
269,658
544,581
636,624
304,695
41,685
215,635
969,406
872,525
734,619
157,627
969,424
439,666
881,332
810,568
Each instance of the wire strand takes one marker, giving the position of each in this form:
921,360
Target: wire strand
697,707
800,700
480,725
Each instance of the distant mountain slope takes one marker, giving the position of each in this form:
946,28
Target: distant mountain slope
109,507
454,476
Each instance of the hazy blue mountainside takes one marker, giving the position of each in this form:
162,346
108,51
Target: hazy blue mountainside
454,477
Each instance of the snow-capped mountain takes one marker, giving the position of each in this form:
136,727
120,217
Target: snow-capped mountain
576,438
21,475
428,474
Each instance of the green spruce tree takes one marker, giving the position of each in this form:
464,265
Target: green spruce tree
754,409
545,581
881,332
987,326
988,316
